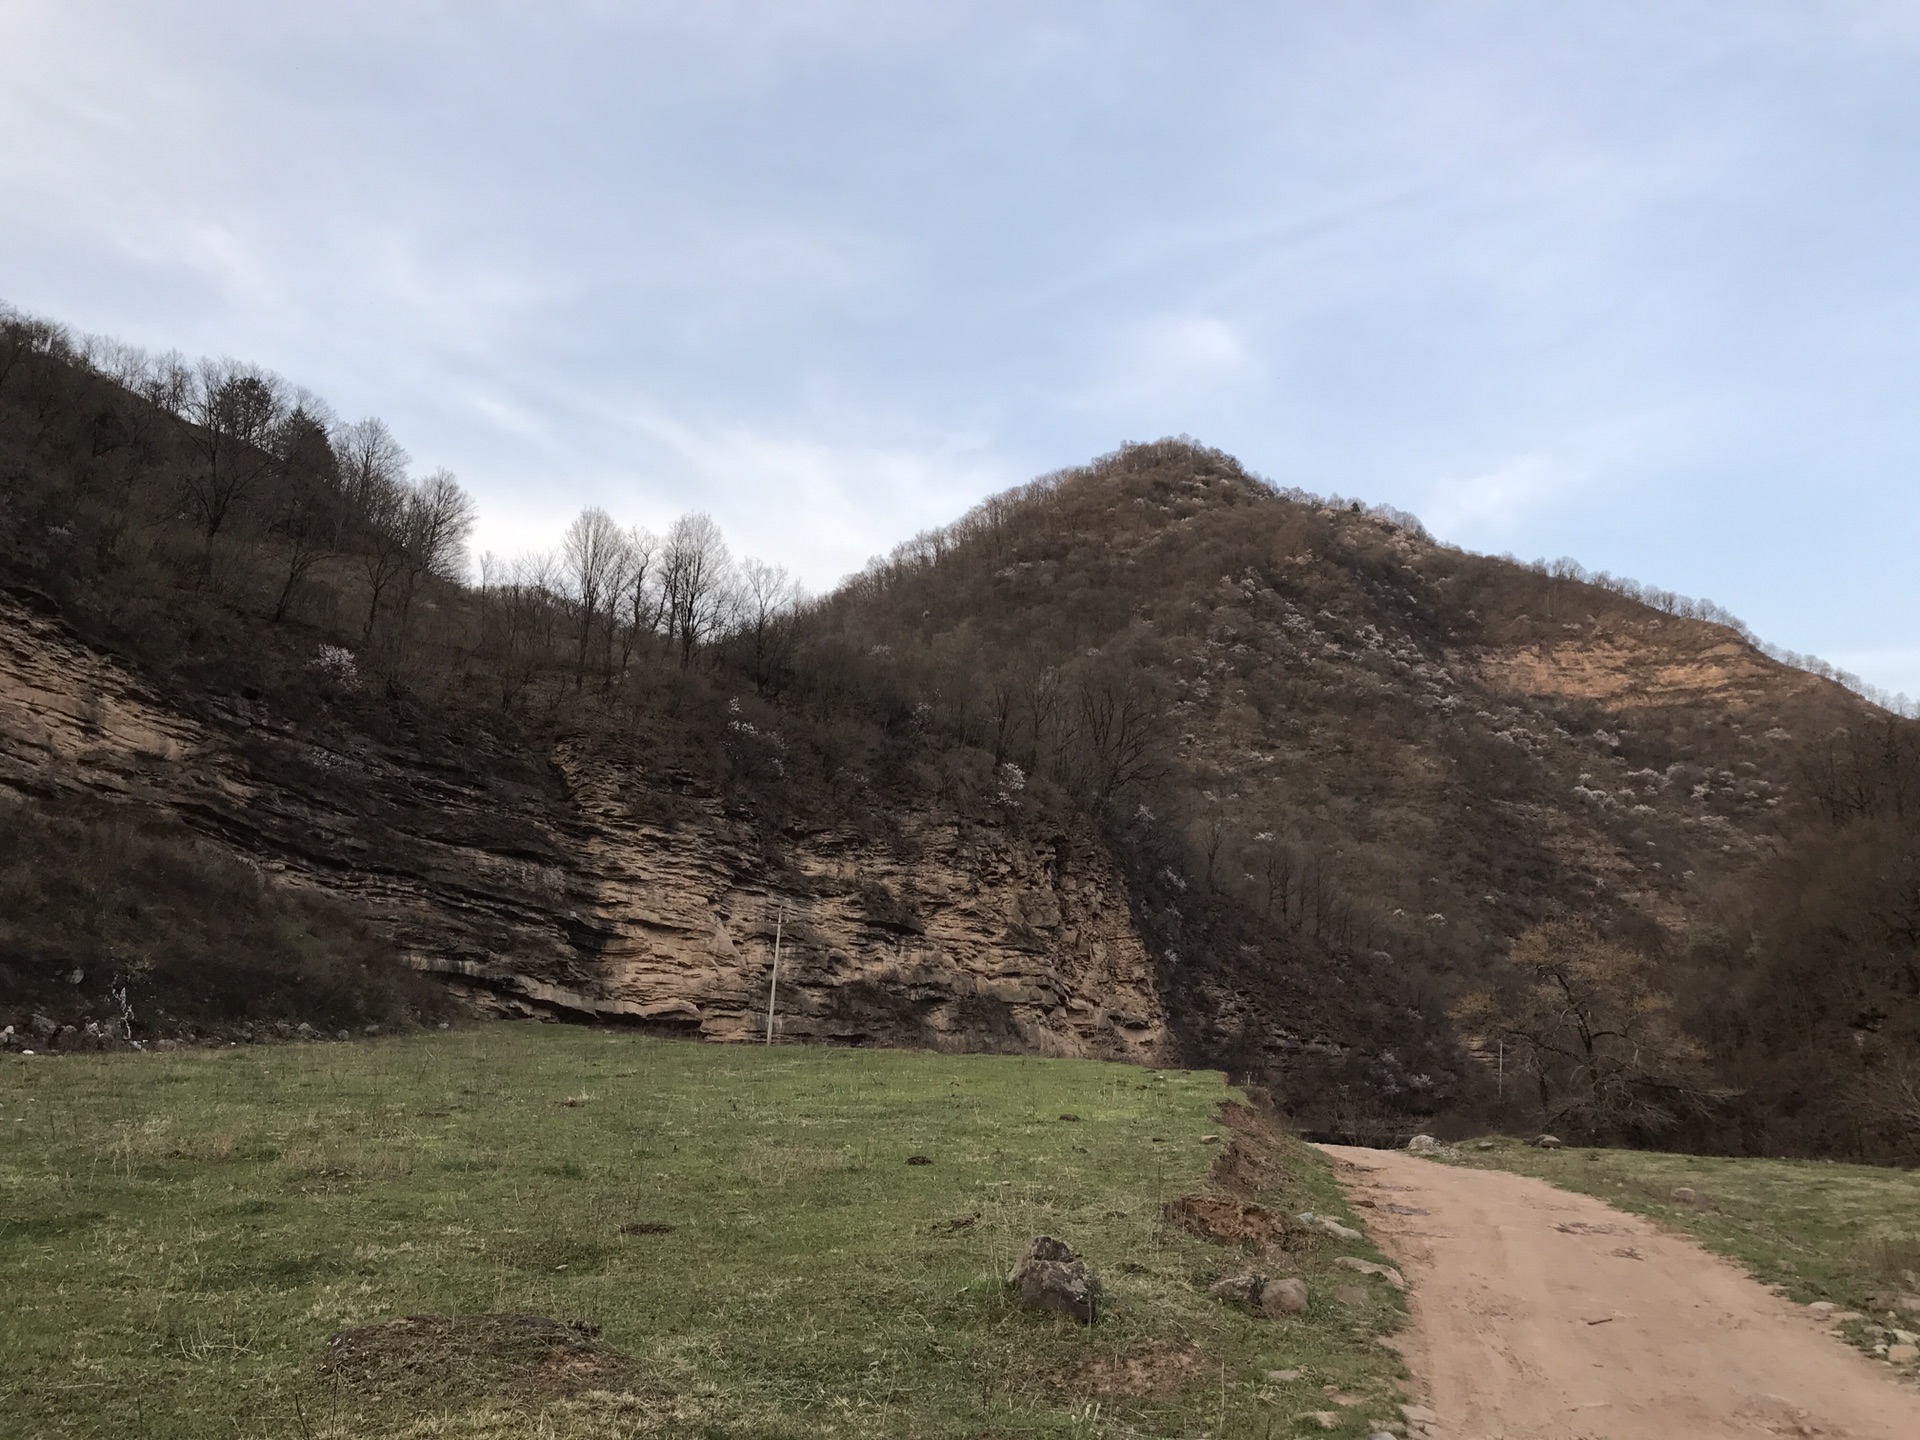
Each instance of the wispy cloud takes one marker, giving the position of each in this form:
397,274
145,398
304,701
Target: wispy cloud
864,261
1495,503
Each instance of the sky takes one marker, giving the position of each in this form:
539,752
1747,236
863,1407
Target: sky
1637,283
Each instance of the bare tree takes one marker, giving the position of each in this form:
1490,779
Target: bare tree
519,622
233,413
593,553
694,573
372,465
308,505
768,600
642,597
1120,737
438,521
1586,1021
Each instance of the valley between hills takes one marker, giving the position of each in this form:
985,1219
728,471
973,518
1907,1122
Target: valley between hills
611,993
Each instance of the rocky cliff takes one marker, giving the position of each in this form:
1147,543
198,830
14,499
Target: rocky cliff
536,890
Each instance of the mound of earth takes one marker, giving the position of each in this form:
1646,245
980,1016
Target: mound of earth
1227,1221
494,1354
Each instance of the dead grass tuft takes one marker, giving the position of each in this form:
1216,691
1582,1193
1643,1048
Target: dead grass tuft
1890,1260
157,1139
342,1160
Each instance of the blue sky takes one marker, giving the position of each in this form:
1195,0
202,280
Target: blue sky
1637,283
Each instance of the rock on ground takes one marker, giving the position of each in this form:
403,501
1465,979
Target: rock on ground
1051,1277
1263,1294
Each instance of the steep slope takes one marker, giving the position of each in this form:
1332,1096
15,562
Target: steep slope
536,887
1384,758
1145,760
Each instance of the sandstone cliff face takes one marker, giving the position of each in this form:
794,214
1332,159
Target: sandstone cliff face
538,892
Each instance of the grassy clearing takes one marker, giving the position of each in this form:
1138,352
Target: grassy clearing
183,1233
1814,1229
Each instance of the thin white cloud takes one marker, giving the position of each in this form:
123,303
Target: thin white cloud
858,254
1495,503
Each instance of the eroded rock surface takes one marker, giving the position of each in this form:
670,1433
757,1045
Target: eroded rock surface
542,892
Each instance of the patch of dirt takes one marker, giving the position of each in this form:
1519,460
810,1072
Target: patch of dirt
1226,1221
468,1354
1151,1370
1251,1162
646,1227
1251,1165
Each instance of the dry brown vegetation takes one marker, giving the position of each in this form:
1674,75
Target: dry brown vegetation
1344,769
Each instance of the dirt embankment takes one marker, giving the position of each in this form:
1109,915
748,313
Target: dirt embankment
1544,1315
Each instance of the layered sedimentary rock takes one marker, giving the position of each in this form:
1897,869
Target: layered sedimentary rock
537,891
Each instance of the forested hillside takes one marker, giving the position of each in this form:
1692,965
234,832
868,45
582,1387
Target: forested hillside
1147,759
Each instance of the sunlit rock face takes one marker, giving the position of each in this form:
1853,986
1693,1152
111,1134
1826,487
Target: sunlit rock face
537,893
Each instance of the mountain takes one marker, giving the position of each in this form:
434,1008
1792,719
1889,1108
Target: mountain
1146,760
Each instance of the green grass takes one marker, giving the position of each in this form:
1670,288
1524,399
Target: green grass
1815,1229
180,1234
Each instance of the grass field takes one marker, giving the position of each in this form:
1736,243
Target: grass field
1815,1229
181,1234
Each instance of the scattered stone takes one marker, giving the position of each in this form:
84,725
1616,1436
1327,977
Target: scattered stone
1353,1295
1282,1377
1903,1354
1263,1294
1366,1267
1069,1117
1325,1419
1285,1296
1423,1145
1684,1195
1483,1145
1051,1277
1209,1139
1548,1142
1383,1435
1822,1309
306,1031
43,1027
343,1035
1419,1415
1336,1229
74,977
919,1160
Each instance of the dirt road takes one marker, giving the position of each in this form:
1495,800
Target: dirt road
1544,1315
